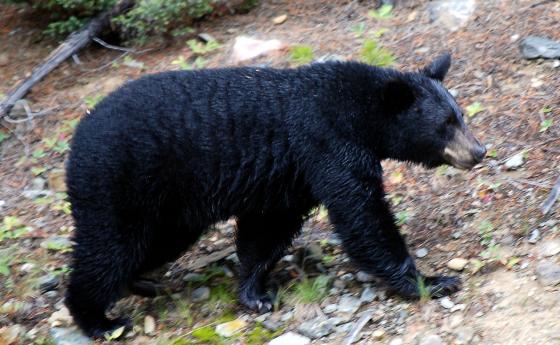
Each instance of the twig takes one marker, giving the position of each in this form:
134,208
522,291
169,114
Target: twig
552,197
113,47
358,327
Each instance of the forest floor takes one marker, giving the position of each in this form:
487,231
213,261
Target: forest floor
489,216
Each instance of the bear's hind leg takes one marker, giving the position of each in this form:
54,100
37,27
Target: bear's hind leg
261,241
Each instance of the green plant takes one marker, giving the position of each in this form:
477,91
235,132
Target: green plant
259,335
474,108
546,124
382,13
402,217
423,290
373,54
12,227
91,101
301,55
359,29
201,48
311,290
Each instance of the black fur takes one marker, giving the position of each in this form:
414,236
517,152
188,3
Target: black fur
164,157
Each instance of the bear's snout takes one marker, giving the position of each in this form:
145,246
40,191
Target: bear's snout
464,151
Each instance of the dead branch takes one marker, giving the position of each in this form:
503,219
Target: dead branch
552,197
76,41
353,336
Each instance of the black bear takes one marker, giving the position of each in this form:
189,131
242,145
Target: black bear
164,157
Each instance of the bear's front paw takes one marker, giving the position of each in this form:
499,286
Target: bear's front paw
106,328
260,303
441,286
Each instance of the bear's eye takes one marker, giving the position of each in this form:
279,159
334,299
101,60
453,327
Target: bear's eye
451,120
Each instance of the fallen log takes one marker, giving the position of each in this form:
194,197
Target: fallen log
75,41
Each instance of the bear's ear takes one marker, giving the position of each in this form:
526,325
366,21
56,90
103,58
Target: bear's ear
397,96
438,68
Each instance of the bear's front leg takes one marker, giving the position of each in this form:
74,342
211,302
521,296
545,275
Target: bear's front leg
261,241
363,220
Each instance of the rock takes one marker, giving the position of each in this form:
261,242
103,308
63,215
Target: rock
534,237
193,277
464,336
548,273
60,317
200,294
272,325
349,304
334,240
4,59
246,48
421,252
533,47
37,189
432,339
149,325
364,277
515,161
206,37
396,341
329,57
316,328
10,335
451,14
48,282
368,295
69,336
290,338
457,264
228,329
378,334
446,303
330,308
550,248
348,277
280,19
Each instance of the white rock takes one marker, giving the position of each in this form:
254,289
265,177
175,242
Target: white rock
364,277
290,338
149,324
457,264
515,161
421,252
368,295
378,334
446,303
452,14
227,329
246,48
550,248
396,341
349,304
432,339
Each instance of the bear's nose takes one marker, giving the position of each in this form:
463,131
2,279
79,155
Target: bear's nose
479,153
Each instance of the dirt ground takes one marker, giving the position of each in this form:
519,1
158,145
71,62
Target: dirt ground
489,216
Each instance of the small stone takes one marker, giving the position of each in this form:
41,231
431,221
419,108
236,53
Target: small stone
534,237
364,277
280,19
60,317
330,308
533,47
446,303
452,14
272,325
349,304
421,252
515,161
48,282
396,341
378,334
457,264
348,277
431,339
200,294
262,317
550,248
464,336
228,329
334,240
290,338
4,59
344,328
548,273
206,37
69,336
316,328
193,277
287,316
368,295
27,267
149,325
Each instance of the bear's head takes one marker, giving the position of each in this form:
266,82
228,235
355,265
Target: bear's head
423,122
